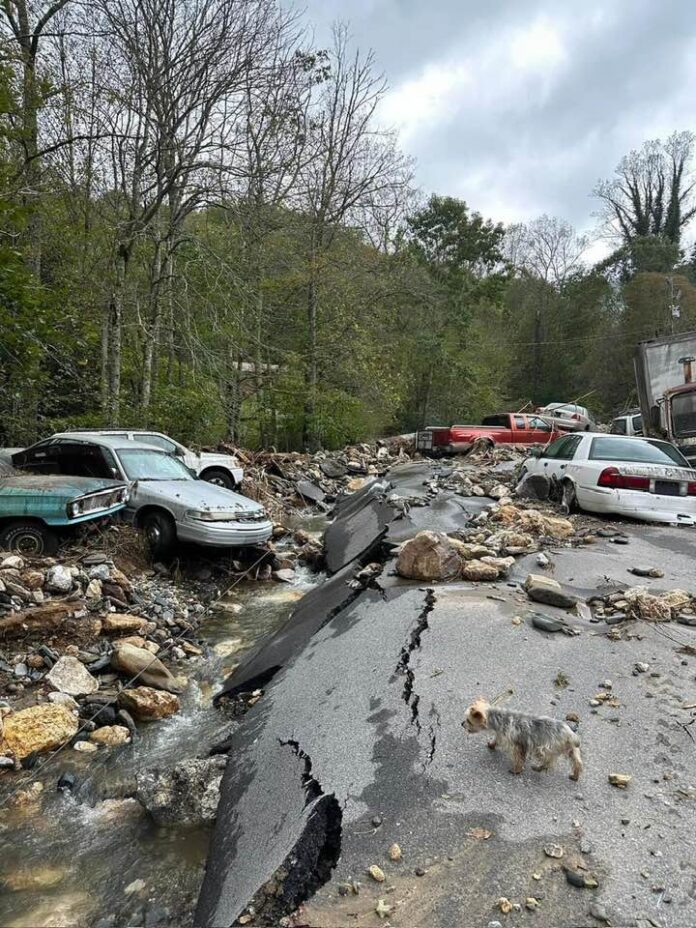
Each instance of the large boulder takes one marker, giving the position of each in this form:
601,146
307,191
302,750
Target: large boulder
149,669
186,795
37,729
429,556
147,704
70,676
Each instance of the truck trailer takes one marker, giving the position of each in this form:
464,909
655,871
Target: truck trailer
664,369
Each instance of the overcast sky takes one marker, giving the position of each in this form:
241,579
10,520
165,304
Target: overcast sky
519,106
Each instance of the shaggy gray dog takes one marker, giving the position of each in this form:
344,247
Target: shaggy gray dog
538,738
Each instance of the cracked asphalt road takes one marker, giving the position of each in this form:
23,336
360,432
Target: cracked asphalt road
375,700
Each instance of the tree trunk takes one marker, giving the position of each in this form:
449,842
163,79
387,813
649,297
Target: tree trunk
116,335
152,329
310,437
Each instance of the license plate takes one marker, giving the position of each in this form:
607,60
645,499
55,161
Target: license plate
667,488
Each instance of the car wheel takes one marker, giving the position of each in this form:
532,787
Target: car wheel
28,538
159,531
569,501
220,477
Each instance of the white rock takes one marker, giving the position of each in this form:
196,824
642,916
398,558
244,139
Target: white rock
13,562
70,676
85,747
59,579
137,886
63,699
94,589
99,572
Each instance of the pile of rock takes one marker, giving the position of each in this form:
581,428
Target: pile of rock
72,636
640,603
436,556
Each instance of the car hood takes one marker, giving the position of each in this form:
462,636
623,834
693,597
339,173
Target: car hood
52,485
223,460
199,494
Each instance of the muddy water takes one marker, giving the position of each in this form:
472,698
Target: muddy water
94,859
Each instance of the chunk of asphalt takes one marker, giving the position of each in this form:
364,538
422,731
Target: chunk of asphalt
310,491
547,623
357,529
313,611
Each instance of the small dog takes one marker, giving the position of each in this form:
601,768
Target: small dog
540,739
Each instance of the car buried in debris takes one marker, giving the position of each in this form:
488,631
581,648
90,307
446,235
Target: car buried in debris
167,501
642,478
36,509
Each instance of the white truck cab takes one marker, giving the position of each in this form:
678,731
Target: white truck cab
631,425
221,469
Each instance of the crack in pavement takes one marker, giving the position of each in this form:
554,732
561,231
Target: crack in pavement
412,699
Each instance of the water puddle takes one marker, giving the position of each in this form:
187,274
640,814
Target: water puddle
95,859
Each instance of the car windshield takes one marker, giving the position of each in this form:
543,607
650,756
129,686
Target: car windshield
152,465
637,451
684,414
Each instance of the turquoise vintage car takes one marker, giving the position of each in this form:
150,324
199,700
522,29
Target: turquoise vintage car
35,508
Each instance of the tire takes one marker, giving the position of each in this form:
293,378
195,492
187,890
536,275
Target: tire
569,501
159,530
220,477
29,538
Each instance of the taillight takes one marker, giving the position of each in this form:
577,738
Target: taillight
691,489
611,478
575,416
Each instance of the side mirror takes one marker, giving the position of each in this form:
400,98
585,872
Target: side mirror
536,452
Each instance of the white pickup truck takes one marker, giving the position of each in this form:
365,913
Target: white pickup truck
221,469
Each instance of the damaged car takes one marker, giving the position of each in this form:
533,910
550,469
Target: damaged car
167,501
642,478
36,510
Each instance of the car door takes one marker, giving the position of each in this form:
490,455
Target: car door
559,455
538,431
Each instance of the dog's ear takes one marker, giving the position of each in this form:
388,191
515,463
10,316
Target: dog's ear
476,713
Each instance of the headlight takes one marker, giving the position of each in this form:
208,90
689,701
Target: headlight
76,509
209,515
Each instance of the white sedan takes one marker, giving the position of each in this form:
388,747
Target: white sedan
638,477
566,416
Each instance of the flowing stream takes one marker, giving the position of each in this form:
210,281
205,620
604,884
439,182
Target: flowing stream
92,858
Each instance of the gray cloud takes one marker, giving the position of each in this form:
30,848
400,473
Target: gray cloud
519,106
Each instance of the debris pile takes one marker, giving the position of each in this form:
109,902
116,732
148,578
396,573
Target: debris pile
73,635
639,603
287,480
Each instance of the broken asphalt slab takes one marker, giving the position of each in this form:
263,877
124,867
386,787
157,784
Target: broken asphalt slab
263,814
373,703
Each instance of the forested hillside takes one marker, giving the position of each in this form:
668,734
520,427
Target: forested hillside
205,227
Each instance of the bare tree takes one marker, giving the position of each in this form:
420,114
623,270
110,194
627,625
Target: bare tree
27,21
652,192
176,72
354,168
548,248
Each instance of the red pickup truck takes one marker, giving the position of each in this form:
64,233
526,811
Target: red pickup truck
504,429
